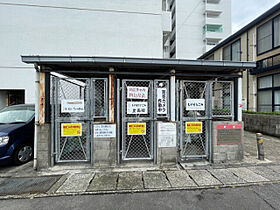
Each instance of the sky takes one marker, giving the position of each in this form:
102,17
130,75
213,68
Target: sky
244,11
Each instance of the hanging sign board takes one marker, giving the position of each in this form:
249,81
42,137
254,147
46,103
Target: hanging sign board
137,107
193,127
161,101
136,129
72,105
195,104
137,92
70,130
167,134
105,131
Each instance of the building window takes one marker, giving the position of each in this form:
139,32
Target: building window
226,53
265,82
235,50
268,35
269,63
212,28
265,37
265,101
269,93
277,80
232,52
277,101
276,32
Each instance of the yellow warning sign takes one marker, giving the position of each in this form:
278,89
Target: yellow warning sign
69,129
136,129
193,127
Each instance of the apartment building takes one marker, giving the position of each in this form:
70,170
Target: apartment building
258,41
123,28
197,26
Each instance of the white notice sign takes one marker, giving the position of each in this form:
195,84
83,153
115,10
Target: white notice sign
161,101
167,133
72,105
195,104
105,131
137,92
137,107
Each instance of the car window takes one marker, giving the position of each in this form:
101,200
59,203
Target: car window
16,114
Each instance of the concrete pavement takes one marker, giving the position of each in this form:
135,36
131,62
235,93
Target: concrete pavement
71,180
253,197
108,181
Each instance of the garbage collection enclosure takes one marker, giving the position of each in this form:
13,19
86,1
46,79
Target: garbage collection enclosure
109,111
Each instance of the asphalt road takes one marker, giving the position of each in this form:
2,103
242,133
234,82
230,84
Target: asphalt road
257,197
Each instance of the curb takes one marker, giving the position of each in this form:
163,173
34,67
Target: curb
217,187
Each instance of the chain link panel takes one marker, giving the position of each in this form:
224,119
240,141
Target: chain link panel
193,90
222,100
100,98
74,148
194,145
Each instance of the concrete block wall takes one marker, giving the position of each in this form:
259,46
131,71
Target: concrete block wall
226,153
43,146
260,123
104,152
166,155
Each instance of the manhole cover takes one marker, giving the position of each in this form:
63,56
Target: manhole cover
13,186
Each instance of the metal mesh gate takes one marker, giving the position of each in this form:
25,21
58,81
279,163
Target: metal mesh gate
193,124
137,119
92,95
71,148
200,103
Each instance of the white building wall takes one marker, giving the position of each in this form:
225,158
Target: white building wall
131,28
189,25
190,20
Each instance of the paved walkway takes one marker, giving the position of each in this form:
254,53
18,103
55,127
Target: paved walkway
135,181
24,182
91,182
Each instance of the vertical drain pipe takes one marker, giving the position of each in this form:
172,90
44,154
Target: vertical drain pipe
173,95
37,111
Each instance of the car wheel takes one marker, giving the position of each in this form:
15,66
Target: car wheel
23,154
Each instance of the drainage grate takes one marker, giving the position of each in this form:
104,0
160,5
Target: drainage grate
16,186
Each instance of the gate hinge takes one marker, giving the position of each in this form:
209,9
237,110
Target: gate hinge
179,150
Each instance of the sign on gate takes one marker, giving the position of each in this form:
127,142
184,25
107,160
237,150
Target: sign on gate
137,92
136,129
195,104
137,107
72,105
69,129
161,101
193,127
105,131
167,134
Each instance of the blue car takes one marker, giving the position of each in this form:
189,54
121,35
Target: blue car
17,134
